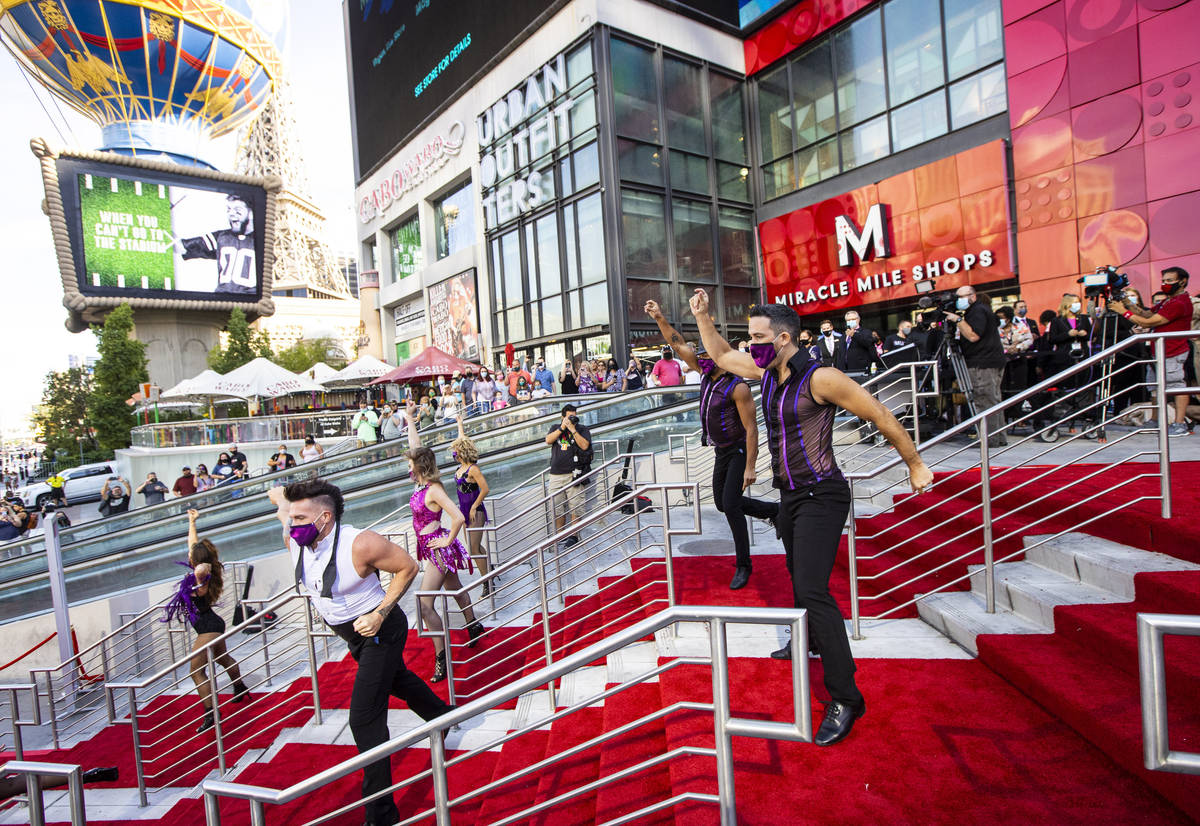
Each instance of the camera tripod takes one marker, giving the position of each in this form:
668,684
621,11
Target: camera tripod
949,349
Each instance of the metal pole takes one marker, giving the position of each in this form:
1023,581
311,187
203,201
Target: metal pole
137,747
312,662
1151,675
441,789
912,376
212,809
215,710
852,563
985,480
723,741
104,666
37,806
1164,450
546,642
75,796
266,649
446,647
58,590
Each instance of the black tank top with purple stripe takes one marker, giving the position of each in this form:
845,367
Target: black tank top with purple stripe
720,424
799,430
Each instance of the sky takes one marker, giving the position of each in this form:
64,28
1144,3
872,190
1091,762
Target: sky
33,338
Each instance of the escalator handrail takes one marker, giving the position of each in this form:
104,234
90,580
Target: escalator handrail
114,559
308,467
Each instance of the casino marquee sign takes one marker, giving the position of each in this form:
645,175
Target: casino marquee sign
947,221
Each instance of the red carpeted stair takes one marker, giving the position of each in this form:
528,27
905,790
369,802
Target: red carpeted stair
648,740
1086,674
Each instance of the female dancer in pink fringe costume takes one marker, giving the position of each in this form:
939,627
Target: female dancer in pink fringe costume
438,548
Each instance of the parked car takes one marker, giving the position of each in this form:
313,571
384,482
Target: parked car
81,484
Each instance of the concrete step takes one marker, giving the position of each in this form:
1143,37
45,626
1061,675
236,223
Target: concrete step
1099,562
962,616
1032,591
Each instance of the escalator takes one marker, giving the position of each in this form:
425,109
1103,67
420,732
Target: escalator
140,548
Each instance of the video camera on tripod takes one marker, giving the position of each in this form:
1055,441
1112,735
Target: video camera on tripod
934,307
1105,283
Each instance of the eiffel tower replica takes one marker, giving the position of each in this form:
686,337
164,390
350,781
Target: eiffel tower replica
305,266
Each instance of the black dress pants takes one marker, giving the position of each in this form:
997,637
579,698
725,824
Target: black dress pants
382,673
811,521
729,468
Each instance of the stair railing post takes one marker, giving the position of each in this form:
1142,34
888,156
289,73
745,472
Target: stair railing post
985,492
312,659
137,747
215,710
723,741
441,789
1164,408
852,566
446,647
546,641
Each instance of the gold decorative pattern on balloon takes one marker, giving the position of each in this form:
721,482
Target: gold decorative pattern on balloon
53,15
162,27
86,70
218,102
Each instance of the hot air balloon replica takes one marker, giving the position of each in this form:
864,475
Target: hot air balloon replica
144,219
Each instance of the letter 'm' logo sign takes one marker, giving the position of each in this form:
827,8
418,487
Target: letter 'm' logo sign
874,235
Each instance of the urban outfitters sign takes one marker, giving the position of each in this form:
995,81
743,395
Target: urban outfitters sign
515,131
947,221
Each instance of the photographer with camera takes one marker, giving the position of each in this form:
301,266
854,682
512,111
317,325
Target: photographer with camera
978,330
570,457
1172,314
13,520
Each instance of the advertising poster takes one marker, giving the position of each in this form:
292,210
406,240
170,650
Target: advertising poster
454,316
154,237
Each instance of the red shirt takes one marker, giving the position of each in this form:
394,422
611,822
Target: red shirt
1177,310
667,373
185,486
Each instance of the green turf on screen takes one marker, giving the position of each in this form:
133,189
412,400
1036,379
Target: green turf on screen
126,234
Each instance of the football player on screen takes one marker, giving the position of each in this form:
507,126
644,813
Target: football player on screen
232,249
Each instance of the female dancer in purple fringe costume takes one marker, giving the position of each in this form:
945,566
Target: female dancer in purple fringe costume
441,551
198,591
472,489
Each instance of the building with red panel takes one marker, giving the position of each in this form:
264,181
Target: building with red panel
826,154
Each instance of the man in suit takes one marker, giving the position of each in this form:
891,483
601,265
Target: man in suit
859,345
829,347
1023,320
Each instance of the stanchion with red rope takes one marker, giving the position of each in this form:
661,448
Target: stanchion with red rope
83,675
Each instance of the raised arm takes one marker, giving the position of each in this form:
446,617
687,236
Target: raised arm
831,386
748,415
410,416
192,516
282,513
458,418
672,336
726,357
371,550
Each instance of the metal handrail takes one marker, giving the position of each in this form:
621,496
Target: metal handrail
271,660
33,772
13,690
1085,406
1152,675
714,618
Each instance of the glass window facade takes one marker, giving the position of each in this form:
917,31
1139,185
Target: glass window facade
407,256
546,249
900,74
454,221
681,182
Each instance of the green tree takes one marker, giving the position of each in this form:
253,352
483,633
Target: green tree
242,345
63,420
121,368
307,352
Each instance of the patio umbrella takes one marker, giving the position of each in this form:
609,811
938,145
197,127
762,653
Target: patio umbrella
197,388
318,372
264,379
358,373
424,366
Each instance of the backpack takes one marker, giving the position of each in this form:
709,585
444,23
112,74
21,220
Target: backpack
584,466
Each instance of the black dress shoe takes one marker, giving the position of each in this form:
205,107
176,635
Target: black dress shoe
784,653
206,723
740,577
104,774
839,719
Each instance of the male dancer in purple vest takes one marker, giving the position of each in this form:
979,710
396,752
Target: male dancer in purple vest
727,422
799,399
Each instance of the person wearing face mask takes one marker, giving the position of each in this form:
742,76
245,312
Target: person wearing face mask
633,377
1021,318
339,566
472,489
728,424
900,338
542,377
805,342
799,400
483,392
978,332
1172,314
667,371
830,351
363,423
566,380
860,346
